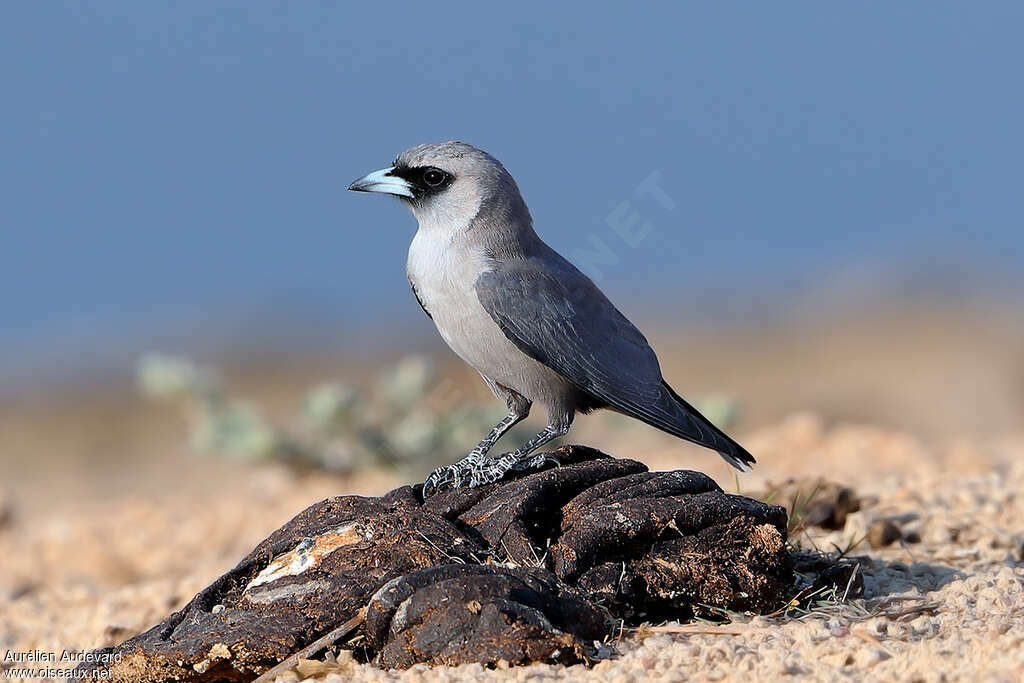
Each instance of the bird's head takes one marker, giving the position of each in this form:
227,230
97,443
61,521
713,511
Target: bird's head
448,183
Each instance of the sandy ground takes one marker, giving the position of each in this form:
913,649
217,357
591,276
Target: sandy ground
946,608
108,523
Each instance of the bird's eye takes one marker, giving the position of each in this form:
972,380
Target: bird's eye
434,177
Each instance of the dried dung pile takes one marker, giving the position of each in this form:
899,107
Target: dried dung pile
535,568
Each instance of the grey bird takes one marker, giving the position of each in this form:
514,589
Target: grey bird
535,328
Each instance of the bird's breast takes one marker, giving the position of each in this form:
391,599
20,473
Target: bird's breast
444,281
438,274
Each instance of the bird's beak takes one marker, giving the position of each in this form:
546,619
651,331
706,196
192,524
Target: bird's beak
382,181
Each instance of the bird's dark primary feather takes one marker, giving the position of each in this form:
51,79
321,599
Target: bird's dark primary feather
557,316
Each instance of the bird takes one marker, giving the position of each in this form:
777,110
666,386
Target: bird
535,327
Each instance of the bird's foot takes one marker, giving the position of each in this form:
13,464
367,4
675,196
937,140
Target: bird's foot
476,470
490,471
453,476
535,462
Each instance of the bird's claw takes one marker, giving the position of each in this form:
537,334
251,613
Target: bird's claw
472,472
535,462
442,479
462,473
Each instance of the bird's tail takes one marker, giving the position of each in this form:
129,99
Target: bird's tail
694,427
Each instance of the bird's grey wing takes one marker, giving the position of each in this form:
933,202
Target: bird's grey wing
558,317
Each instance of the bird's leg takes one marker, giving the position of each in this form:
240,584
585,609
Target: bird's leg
485,445
463,472
520,459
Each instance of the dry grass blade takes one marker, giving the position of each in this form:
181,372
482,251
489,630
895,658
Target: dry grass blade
313,648
849,582
692,629
870,639
795,601
451,558
799,506
912,611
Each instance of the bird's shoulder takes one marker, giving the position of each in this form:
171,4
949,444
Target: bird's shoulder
557,316
545,273
543,295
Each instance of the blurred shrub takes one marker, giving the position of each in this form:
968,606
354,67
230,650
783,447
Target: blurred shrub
397,422
402,420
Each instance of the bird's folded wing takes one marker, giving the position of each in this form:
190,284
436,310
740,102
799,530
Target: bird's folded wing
558,317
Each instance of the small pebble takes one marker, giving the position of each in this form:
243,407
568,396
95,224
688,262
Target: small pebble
883,532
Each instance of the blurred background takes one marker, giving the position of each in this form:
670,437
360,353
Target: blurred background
839,234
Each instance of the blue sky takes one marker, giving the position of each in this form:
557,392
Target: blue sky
174,170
